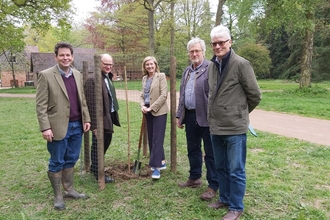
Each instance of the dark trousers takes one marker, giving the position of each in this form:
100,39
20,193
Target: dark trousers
194,135
107,140
156,126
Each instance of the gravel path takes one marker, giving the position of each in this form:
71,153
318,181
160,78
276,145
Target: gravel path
303,128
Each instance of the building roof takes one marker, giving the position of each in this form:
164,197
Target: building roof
41,61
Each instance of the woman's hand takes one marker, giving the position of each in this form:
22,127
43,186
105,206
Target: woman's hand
145,109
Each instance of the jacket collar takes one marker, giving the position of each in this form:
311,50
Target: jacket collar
224,60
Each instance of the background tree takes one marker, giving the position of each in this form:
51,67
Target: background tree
151,6
112,30
39,14
321,68
297,17
218,19
258,55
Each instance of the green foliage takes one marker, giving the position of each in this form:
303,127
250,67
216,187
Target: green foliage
192,19
321,68
258,55
279,51
39,14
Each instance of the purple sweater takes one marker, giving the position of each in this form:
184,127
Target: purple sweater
71,88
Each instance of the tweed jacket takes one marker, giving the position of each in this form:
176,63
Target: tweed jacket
107,102
238,94
201,94
52,101
158,94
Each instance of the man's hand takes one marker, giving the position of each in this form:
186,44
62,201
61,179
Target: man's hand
87,126
178,124
48,135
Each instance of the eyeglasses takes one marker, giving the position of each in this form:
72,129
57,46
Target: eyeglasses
108,64
194,51
220,43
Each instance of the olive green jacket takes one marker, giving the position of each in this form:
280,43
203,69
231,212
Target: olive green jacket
52,101
230,103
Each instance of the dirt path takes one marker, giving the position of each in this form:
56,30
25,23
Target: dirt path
303,128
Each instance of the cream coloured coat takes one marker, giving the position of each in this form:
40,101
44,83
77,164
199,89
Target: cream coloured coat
158,94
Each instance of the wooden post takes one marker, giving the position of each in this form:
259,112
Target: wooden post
173,94
87,157
99,120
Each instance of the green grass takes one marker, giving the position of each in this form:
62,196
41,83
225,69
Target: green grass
20,90
307,104
286,178
286,85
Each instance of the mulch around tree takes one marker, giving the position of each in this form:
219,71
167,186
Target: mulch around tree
120,172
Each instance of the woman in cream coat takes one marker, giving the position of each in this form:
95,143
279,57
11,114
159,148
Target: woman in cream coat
154,107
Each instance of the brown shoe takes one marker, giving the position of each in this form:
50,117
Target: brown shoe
232,215
191,183
218,205
208,194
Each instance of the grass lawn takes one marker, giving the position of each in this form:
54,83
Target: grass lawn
286,178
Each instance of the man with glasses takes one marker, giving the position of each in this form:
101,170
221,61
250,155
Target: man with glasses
192,111
110,110
233,94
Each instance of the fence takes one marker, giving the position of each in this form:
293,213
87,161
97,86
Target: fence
131,124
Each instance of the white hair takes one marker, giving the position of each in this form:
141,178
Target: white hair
220,31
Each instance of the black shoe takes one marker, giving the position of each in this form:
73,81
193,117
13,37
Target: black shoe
109,179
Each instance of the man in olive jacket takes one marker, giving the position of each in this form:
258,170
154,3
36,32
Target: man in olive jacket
233,94
63,117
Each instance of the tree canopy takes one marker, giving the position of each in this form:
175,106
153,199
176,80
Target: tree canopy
293,34
41,15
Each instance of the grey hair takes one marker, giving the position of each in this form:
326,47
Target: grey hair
220,31
194,41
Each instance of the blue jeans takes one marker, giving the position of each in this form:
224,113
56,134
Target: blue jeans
65,153
230,157
194,135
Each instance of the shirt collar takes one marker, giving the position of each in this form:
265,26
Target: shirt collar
63,73
192,68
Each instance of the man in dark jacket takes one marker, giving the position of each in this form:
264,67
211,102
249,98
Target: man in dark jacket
110,110
192,111
234,93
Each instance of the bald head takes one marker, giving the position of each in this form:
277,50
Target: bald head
106,63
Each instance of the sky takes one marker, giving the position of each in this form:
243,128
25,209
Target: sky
83,8
86,6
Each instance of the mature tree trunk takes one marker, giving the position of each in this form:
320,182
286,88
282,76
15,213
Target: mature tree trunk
218,18
151,5
307,54
151,32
